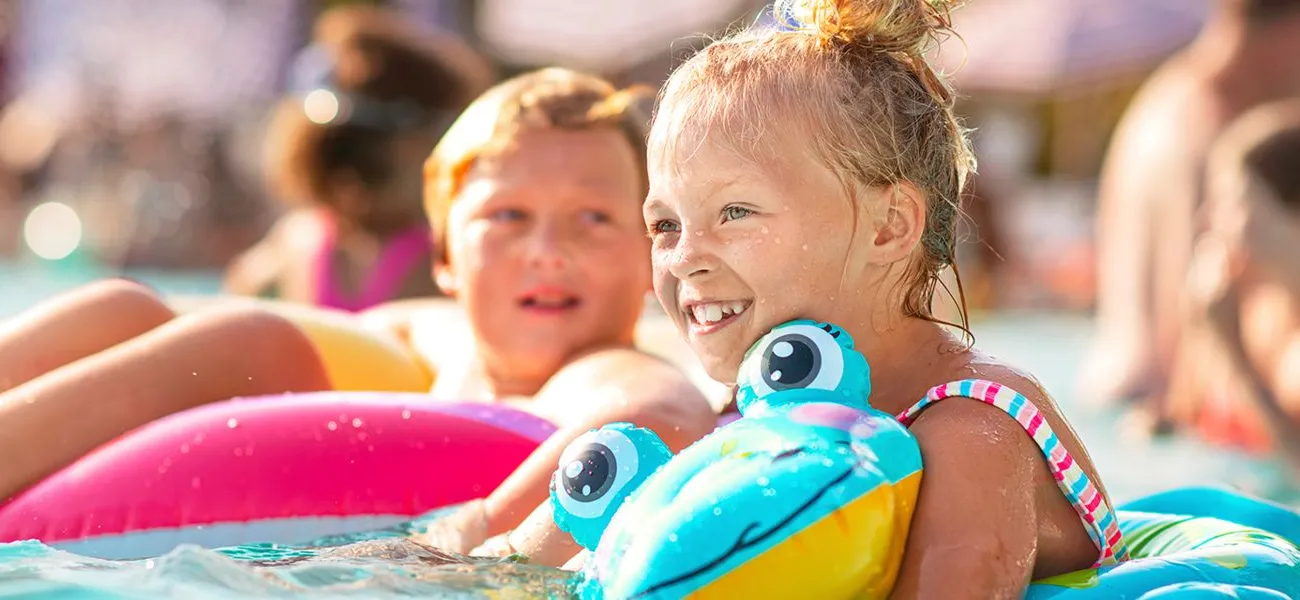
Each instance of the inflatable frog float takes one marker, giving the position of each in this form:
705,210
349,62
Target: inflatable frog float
810,494
811,479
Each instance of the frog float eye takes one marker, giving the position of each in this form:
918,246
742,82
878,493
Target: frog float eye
597,472
590,470
793,357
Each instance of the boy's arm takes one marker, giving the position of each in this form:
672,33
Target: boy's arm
605,387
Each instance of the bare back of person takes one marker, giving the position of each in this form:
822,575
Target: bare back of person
1151,191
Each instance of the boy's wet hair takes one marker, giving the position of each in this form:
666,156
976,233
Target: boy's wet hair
377,76
540,100
848,78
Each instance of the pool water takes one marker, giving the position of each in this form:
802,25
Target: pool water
380,564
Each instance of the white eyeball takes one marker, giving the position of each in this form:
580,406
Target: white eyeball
593,470
794,357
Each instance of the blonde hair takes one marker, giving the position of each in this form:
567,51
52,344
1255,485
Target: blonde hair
853,75
551,98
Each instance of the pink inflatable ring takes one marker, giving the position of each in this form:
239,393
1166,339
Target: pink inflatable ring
274,469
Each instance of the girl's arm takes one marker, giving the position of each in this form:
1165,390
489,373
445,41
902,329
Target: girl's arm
974,532
601,388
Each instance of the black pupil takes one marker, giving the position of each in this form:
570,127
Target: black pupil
595,477
790,362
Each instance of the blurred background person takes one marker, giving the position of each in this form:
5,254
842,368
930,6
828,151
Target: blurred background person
370,98
1236,375
1151,187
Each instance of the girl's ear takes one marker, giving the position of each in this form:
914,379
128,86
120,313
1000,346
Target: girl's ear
901,223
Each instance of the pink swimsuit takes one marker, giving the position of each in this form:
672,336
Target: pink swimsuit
404,251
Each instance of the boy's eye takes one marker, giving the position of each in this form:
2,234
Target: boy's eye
507,215
595,216
731,213
664,226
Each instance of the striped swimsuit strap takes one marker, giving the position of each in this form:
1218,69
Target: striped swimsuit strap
1098,519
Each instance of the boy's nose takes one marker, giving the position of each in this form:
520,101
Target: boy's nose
546,249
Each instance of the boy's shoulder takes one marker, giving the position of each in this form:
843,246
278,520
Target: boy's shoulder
625,378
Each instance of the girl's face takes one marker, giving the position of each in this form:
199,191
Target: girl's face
738,249
546,250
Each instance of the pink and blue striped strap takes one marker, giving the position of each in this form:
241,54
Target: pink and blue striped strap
1098,519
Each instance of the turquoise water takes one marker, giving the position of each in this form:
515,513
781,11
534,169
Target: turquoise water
383,565
378,565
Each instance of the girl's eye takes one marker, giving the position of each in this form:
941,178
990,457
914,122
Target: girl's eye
664,226
507,215
731,213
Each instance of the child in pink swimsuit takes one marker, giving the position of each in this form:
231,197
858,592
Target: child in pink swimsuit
347,146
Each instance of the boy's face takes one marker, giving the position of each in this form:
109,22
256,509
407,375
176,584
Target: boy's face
546,249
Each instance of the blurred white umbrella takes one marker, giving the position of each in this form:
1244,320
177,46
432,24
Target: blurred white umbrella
1040,46
603,36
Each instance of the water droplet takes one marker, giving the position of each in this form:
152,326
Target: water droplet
195,483
194,373
672,537
332,426
769,492
765,230
148,564
805,246
763,481
406,415
699,233
239,451
185,448
232,422
356,422
717,511
777,240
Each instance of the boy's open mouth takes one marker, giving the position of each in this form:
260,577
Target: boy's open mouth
549,301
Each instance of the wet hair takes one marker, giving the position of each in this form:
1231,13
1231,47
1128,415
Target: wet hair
1266,12
367,78
539,100
1265,142
850,79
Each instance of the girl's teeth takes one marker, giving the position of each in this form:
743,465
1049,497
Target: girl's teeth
715,311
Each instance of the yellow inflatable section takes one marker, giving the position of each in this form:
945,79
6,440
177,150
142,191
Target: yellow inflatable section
357,358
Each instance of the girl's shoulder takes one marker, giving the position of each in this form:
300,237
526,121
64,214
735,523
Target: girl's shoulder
974,393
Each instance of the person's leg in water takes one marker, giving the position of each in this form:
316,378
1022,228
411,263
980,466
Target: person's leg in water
75,325
54,419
